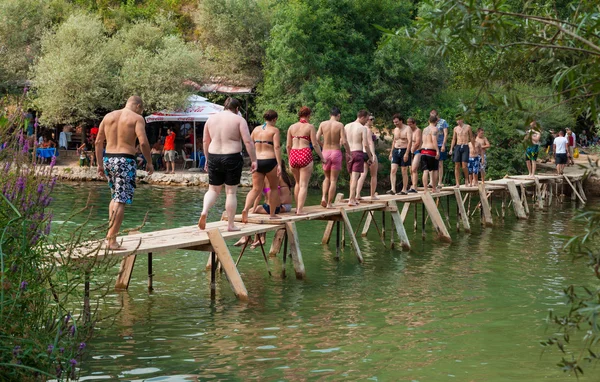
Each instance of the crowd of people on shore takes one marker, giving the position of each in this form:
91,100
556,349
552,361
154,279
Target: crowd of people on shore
412,149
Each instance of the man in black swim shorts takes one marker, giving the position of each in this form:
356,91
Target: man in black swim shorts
459,148
223,136
120,129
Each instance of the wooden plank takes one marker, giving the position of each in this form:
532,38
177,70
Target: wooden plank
126,269
399,225
222,252
367,225
296,254
350,232
524,199
277,242
574,189
436,218
581,192
514,195
329,227
461,210
485,206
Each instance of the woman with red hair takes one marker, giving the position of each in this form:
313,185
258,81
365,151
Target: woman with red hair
300,136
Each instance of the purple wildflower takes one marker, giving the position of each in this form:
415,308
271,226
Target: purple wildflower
21,138
72,330
7,167
61,350
23,285
50,348
36,124
67,318
52,183
16,350
82,346
53,161
26,147
58,371
73,362
20,184
25,90
40,188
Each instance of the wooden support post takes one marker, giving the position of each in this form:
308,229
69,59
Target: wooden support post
580,188
222,253
539,201
329,227
397,219
383,225
436,218
292,234
415,218
213,275
276,243
487,213
405,209
86,297
550,194
126,269
353,240
514,195
337,240
574,189
461,211
150,274
367,224
125,272
285,249
524,198
423,220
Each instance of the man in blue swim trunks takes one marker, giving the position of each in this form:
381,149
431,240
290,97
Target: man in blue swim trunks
459,148
120,129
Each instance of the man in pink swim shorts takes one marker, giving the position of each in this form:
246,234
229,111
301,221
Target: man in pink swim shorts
334,137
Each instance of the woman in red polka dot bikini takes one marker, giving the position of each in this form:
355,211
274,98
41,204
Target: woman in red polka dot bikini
300,137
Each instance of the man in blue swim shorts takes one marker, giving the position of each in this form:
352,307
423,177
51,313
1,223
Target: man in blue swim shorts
459,148
120,129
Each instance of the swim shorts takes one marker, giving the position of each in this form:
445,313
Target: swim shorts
531,153
561,158
474,164
483,165
443,154
334,160
398,157
356,163
428,161
461,154
120,169
225,168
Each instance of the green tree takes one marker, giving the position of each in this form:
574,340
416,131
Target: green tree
72,77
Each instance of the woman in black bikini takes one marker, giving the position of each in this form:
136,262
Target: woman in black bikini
268,153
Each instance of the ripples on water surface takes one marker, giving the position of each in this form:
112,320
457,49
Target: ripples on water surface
470,311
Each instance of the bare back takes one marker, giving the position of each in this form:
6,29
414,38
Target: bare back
332,134
356,135
266,140
121,128
430,134
225,131
298,133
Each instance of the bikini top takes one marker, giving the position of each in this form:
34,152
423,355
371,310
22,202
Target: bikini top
302,137
266,142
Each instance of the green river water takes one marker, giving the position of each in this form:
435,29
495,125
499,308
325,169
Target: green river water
472,310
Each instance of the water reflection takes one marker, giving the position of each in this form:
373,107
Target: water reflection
470,310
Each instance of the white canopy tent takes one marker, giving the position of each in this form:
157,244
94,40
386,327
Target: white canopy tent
198,110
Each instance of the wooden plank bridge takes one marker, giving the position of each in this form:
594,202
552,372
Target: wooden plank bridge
543,190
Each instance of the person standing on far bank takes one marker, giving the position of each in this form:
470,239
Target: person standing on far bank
120,129
223,136
169,150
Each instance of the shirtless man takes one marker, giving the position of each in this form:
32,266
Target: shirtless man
357,136
430,154
372,169
120,129
485,144
532,138
461,137
400,153
223,136
417,140
474,163
334,137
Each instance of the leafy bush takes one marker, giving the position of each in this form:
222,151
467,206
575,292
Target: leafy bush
45,321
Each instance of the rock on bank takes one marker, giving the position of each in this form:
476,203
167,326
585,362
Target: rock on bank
180,178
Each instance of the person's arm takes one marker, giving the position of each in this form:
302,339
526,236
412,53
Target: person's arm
288,141
393,143
140,132
371,147
434,135
554,150
315,143
277,148
366,145
445,137
471,136
320,133
344,142
453,140
486,144
408,145
206,139
245,133
100,138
